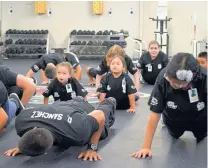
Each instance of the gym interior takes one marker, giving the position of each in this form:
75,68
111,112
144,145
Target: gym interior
31,29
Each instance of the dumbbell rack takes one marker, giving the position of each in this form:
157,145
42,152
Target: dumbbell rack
94,51
15,37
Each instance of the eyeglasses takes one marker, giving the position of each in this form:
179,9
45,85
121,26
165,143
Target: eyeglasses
176,86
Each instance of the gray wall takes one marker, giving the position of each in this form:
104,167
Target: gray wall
67,16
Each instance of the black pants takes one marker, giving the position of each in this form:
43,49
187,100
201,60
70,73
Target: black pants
198,127
17,90
106,106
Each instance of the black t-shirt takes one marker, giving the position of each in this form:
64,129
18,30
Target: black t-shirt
7,77
72,59
46,59
175,104
119,88
151,68
66,122
65,92
4,94
103,68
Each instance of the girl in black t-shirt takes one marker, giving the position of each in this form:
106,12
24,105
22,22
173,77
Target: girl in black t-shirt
119,85
104,67
64,87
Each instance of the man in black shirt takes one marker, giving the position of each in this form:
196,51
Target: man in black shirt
152,62
16,83
64,124
47,64
180,95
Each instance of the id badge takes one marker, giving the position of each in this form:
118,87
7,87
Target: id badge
193,95
73,94
68,88
159,66
149,68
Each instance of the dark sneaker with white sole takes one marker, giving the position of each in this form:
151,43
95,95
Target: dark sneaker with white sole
15,98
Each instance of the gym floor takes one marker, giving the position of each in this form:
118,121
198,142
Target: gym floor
126,136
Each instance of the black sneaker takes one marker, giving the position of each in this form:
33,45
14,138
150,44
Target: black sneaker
15,98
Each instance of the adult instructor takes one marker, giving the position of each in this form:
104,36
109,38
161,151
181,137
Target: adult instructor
71,123
180,96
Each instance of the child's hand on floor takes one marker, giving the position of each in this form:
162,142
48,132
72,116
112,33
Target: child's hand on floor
131,110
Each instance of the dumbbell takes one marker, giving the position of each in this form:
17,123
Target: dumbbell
44,50
79,32
84,43
1,43
46,32
39,50
79,43
95,43
9,41
18,51
22,49
84,32
74,43
93,32
105,32
89,43
74,32
99,33
38,31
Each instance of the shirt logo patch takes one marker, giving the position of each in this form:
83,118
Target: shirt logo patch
133,87
154,101
134,68
124,85
47,91
200,106
108,88
171,105
98,68
36,67
138,65
83,90
159,66
56,94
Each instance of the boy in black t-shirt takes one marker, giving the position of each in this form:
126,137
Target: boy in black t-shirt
64,124
180,95
152,62
119,85
64,87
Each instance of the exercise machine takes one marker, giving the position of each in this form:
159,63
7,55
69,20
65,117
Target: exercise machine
161,33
